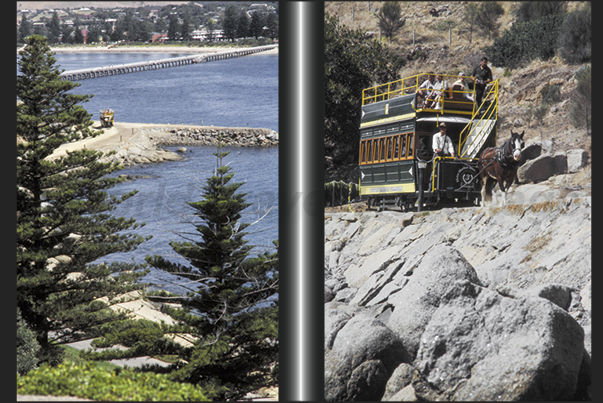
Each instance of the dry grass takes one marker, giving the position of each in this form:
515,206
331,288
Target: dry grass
520,87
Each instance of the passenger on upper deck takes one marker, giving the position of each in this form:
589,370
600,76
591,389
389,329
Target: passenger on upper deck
482,75
461,85
436,95
424,89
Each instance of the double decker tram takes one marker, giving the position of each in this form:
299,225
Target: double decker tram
397,163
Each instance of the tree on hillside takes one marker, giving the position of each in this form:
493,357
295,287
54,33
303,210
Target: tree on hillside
487,18
470,18
210,26
535,10
229,23
185,27
353,62
243,24
581,111
256,25
272,25
173,33
25,29
236,318
54,29
94,33
526,41
575,36
390,18
63,223
78,36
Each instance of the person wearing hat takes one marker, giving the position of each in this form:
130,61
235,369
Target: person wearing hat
461,85
442,145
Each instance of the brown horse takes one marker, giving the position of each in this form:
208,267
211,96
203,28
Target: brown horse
499,165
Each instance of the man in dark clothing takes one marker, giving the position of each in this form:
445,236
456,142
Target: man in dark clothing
482,75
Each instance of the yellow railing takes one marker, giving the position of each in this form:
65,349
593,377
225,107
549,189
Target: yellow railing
491,112
455,98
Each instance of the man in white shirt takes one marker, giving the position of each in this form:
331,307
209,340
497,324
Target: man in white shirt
442,145
424,89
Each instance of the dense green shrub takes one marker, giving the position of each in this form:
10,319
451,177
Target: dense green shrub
551,94
575,38
27,346
93,382
526,41
487,17
535,10
581,111
130,332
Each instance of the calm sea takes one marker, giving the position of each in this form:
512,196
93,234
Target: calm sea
241,92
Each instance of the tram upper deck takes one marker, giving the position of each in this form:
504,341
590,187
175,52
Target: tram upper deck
403,101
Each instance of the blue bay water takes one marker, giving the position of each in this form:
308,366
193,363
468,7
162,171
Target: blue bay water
240,92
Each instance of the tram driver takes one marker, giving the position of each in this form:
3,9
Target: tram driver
442,145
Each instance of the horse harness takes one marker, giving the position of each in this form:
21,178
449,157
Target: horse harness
498,156
505,161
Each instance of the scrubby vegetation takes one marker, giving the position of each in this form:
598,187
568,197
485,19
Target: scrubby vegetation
536,49
94,381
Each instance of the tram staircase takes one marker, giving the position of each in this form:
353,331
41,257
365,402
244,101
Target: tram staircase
479,132
480,127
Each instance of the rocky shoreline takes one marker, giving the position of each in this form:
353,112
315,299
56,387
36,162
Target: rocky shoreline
146,145
463,304
212,136
140,143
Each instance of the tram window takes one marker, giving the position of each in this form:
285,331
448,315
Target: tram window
369,150
388,147
403,146
396,146
381,155
410,145
362,152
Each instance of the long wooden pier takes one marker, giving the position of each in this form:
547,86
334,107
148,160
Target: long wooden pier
104,71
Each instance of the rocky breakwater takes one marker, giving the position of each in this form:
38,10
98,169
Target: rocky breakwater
146,145
459,304
138,149
212,136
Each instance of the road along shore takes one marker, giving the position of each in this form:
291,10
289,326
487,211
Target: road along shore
141,143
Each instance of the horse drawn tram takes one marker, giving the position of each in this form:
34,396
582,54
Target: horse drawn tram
398,167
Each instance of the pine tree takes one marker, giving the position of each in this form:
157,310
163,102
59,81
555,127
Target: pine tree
25,29
243,25
256,25
229,24
54,31
237,336
63,223
185,27
390,18
173,34
272,25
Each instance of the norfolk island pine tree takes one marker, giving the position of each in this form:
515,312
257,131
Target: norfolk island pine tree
238,342
63,211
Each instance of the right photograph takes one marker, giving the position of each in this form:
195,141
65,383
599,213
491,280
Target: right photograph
458,204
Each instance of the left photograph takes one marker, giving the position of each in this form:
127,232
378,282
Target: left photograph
147,200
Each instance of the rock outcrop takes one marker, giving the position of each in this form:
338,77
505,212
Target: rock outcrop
145,146
460,304
211,136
